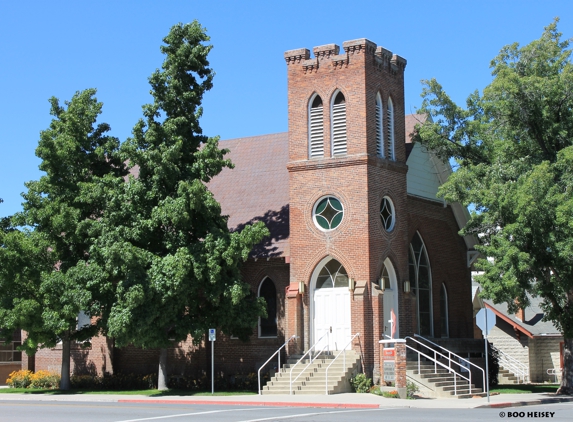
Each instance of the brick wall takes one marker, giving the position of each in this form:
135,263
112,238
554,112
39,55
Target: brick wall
503,337
232,356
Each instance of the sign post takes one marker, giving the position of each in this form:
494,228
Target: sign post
212,338
485,319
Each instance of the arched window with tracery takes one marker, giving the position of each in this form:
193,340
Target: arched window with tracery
421,280
268,325
315,128
338,124
390,130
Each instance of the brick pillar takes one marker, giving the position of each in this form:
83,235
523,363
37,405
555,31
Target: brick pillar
294,318
400,360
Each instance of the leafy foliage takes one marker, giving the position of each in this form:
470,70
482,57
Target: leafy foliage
514,148
173,261
361,383
27,379
44,277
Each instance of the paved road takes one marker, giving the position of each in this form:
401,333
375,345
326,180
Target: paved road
63,411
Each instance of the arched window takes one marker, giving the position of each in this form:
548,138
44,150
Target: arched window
332,274
338,124
315,128
390,130
268,325
379,125
444,311
385,278
421,279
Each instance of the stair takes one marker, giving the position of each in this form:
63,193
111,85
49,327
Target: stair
504,377
312,379
440,383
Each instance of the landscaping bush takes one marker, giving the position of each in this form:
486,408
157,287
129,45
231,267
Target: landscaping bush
114,382
391,394
19,379
360,383
411,389
45,380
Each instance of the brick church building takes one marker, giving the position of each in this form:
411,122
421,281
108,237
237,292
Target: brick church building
357,234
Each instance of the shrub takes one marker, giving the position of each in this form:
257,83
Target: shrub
360,383
391,394
411,389
19,379
45,379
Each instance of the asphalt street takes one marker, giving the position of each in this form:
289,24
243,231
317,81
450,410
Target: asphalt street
63,411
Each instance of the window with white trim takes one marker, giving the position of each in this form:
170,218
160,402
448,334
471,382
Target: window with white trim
387,214
315,128
421,280
390,130
268,325
328,213
338,124
379,125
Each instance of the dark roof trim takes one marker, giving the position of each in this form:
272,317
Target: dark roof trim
509,321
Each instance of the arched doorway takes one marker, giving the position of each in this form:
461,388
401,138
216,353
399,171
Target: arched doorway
389,284
330,304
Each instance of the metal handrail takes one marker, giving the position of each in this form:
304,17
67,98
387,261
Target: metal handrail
457,356
269,359
512,364
436,362
300,360
344,364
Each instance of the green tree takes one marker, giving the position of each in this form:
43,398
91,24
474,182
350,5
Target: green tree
514,148
45,281
164,240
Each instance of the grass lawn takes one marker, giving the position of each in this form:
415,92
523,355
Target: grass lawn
149,393
525,388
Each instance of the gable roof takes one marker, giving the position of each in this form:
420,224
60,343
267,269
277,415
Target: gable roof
533,325
257,189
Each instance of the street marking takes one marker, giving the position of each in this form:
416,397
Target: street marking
191,414
278,418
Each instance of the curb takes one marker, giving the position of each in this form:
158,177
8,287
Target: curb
527,403
259,403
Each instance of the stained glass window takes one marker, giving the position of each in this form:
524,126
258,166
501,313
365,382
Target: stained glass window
328,213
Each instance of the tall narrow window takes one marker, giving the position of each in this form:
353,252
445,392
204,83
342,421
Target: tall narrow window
268,325
315,129
379,125
338,115
390,130
421,279
444,311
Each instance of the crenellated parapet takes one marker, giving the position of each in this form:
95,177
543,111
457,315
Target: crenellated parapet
359,46
297,56
353,50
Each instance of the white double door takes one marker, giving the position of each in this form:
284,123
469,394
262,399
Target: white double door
332,315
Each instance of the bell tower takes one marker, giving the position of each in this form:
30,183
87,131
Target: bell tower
347,183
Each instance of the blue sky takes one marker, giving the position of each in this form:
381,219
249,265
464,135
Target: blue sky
55,48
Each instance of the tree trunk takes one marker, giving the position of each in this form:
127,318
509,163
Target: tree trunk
65,374
162,373
567,375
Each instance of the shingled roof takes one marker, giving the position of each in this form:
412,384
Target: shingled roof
257,189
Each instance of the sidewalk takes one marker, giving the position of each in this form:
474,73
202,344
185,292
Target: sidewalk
347,400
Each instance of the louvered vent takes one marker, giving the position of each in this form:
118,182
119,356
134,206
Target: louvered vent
316,133
316,129
379,141
339,125
390,131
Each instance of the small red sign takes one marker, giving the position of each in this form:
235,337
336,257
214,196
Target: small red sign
389,354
